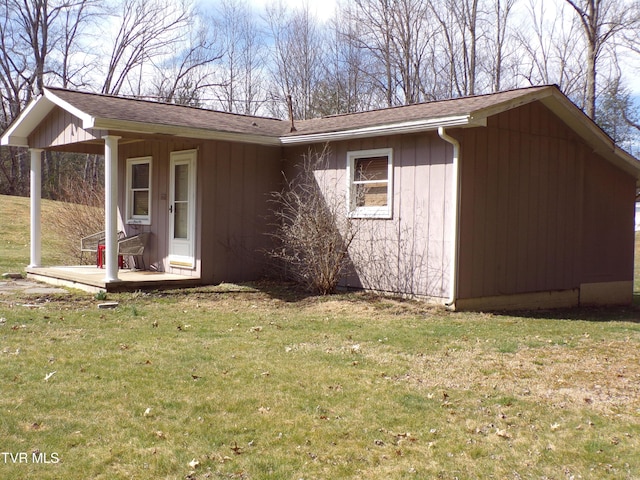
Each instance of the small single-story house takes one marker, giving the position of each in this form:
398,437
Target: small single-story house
508,200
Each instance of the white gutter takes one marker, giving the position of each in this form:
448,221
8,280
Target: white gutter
386,129
455,244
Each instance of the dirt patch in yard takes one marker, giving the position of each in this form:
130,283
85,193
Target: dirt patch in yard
605,380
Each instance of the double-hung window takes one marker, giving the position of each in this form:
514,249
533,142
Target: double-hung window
370,177
139,190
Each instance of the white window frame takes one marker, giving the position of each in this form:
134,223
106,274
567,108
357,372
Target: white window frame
354,211
131,218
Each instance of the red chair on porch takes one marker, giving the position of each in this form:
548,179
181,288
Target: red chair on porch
101,257
94,244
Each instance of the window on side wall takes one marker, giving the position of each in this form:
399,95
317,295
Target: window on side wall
139,190
370,177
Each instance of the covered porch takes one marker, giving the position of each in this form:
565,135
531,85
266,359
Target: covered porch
52,123
90,278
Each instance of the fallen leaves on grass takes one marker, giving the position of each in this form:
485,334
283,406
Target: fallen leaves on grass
236,449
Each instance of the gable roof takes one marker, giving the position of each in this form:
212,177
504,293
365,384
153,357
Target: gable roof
464,111
105,112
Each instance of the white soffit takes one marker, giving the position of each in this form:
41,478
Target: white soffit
180,131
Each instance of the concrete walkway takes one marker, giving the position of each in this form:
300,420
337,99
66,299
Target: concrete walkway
12,286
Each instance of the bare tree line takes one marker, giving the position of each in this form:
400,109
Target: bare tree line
227,55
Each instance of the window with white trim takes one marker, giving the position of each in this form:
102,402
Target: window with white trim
370,177
139,190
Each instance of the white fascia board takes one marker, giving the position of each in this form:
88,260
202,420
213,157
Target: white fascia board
11,140
87,120
200,133
413,126
592,134
17,134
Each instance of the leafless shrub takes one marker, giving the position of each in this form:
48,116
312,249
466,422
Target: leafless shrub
401,259
313,232
80,214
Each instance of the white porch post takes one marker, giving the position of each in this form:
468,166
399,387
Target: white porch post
111,207
36,202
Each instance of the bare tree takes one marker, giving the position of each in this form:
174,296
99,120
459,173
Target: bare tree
72,67
602,21
448,68
296,60
461,25
502,10
374,32
186,77
149,30
242,61
467,13
345,86
550,50
34,36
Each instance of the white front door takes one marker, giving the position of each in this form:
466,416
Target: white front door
182,209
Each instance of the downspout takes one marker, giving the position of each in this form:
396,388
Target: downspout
455,244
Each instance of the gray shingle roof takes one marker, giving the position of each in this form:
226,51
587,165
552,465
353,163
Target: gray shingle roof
407,113
155,113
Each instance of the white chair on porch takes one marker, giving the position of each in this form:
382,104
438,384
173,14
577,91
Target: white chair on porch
134,247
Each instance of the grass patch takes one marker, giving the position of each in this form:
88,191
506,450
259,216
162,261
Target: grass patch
14,238
256,387
256,381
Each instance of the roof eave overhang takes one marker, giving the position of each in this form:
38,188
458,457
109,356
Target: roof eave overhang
18,132
592,134
400,128
87,120
183,132
17,135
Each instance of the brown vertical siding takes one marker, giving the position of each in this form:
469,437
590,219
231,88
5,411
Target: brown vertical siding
532,195
236,180
233,181
609,211
409,253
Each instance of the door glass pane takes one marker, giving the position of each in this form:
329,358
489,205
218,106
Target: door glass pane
181,185
181,220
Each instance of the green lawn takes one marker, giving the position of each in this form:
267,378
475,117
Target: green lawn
259,381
